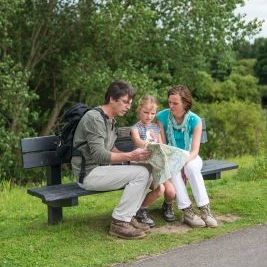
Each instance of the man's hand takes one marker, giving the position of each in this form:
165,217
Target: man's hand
140,154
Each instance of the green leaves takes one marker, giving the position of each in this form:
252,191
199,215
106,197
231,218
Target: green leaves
56,52
15,115
234,128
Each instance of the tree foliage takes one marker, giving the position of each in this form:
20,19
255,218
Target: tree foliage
15,116
58,52
261,63
234,128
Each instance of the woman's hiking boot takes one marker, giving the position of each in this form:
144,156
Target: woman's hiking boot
167,212
125,230
207,216
143,216
192,219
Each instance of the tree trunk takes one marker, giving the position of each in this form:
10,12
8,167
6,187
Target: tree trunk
59,104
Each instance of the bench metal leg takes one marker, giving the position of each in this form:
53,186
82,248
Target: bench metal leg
55,215
212,176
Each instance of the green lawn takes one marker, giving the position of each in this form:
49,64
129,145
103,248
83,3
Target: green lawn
83,240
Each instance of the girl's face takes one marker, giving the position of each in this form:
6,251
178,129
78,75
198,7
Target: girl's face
176,105
147,113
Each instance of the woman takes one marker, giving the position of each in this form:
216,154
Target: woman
183,129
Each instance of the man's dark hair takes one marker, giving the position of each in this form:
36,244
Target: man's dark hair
118,89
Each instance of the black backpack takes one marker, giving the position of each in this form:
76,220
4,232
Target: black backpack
66,130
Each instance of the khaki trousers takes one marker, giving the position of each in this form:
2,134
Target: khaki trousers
135,179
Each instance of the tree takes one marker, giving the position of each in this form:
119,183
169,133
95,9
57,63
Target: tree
15,116
261,63
199,31
59,42
56,52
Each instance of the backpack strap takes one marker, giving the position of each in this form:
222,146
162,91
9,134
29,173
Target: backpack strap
76,151
103,114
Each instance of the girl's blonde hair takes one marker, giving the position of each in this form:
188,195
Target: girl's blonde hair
147,100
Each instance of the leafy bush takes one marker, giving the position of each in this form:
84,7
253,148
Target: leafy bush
237,86
234,128
15,116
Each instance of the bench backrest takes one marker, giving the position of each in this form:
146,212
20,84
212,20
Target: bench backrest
124,141
41,151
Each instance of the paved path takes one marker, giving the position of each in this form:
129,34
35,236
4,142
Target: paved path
244,248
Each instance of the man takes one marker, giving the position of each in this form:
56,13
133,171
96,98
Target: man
97,128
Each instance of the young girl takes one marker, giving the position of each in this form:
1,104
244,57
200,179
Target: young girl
143,131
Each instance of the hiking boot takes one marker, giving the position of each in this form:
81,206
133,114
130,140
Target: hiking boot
191,219
138,225
207,217
167,212
125,230
143,216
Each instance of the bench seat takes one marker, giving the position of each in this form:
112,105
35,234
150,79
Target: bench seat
212,168
48,194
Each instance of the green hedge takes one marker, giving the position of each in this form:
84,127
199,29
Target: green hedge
234,128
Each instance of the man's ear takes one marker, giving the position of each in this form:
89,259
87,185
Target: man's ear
112,100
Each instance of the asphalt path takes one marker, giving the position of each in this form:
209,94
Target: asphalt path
244,248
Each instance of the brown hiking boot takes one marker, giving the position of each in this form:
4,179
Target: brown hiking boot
192,219
138,225
125,230
207,216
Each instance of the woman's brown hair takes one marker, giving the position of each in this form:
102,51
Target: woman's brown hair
184,93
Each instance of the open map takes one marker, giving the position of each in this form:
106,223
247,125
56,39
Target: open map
165,158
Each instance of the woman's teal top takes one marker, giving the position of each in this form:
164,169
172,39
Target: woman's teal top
179,135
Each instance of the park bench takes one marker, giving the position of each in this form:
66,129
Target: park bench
41,152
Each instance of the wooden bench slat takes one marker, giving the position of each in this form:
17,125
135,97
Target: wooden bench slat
43,143
58,192
124,144
67,191
124,132
213,166
40,159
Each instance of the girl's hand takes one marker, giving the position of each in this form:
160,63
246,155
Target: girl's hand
154,136
151,136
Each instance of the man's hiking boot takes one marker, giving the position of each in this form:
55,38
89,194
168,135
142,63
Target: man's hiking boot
125,230
138,225
207,217
191,219
143,216
167,212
